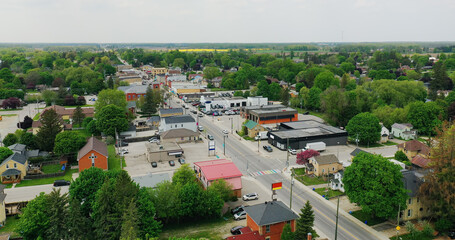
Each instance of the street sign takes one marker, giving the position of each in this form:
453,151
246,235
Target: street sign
276,186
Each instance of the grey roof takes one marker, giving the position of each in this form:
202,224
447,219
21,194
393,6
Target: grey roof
357,151
151,180
178,133
326,159
171,111
402,125
153,119
17,147
11,171
309,132
412,181
17,157
32,153
179,119
270,213
133,89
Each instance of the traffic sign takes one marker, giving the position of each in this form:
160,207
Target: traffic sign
276,186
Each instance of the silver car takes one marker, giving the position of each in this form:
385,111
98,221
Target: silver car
239,216
250,196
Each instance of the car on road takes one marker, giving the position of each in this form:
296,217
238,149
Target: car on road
59,183
240,215
181,160
121,144
250,196
200,115
193,111
200,128
292,151
124,151
225,131
268,148
236,230
154,164
237,209
171,163
210,137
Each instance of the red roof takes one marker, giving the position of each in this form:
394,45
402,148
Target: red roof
420,161
247,236
217,169
236,182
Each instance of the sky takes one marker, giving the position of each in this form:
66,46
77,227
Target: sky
220,21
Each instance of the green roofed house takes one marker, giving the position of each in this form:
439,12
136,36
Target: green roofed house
253,128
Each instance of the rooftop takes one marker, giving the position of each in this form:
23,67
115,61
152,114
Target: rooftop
270,213
420,161
171,111
412,181
357,151
133,88
163,147
151,180
93,144
216,169
178,119
326,159
402,125
415,145
17,147
178,133
250,124
17,157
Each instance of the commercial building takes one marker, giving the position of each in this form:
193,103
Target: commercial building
257,101
179,135
308,131
210,171
267,114
245,111
135,91
164,151
157,71
186,87
169,112
226,102
177,122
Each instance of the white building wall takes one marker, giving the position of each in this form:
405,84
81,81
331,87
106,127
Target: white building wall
257,101
165,127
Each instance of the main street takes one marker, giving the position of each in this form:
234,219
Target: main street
249,161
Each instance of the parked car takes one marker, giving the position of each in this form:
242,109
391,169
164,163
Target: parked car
268,148
200,115
306,113
181,160
171,163
59,183
124,151
121,144
250,196
210,137
154,140
239,216
154,164
292,151
237,209
193,111
236,230
200,128
225,131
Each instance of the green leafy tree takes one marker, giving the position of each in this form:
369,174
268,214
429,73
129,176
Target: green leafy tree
375,184
345,80
263,89
106,221
211,204
110,83
305,223
78,116
401,156
34,221
49,97
190,196
223,188
10,139
148,226
79,225
211,72
4,153
130,222
57,213
184,175
29,140
167,201
347,67
86,121
110,119
51,126
333,103
92,128
314,100
149,106
287,234
324,80
110,97
179,62
68,142
285,96
365,127
425,117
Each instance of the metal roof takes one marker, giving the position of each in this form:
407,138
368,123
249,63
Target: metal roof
270,213
179,119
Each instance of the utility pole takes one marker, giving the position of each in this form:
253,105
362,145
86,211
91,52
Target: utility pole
232,124
259,142
292,184
287,155
224,144
336,224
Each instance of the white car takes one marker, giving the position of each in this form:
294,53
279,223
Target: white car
124,151
240,215
292,151
225,131
154,140
250,196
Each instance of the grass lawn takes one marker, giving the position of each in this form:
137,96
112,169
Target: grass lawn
42,181
371,145
248,138
9,185
310,180
330,193
299,171
367,217
83,132
389,143
53,168
10,226
409,237
36,117
204,229
113,159
218,89
9,115
317,114
4,110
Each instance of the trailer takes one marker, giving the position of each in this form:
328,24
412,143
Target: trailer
318,146
261,136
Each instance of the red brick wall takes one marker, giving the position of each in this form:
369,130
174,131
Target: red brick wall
85,162
276,230
251,224
271,121
133,96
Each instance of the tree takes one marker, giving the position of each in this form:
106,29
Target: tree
4,153
263,89
365,128
223,188
148,226
190,196
305,223
29,140
10,139
438,184
347,67
167,201
27,123
110,96
68,142
78,116
333,103
149,106
49,97
303,156
375,184
86,121
104,218
11,103
110,82
184,175
79,225
92,128
314,100
287,233
401,156
57,212
110,119
34,221
130,222
51,126
211,72
285,96
425,116
324,80
179,62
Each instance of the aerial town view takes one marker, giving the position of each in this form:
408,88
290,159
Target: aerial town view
236,120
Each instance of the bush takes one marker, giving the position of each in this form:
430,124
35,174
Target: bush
86,121
4,153
110,140
401,156
10,139
427,230
443,225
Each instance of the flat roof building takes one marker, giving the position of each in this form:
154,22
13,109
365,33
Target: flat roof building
273,115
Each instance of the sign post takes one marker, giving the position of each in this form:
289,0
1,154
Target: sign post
276,186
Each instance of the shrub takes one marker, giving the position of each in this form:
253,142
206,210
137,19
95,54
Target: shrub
443,225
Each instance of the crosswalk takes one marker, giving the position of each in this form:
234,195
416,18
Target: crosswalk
265,172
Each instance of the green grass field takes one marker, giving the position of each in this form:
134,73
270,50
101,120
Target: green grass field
36,117
53,168
367,217
113,159
310,180
389,143
330,193
10,226
42,181
299,171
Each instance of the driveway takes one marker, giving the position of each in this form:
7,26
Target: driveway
22,194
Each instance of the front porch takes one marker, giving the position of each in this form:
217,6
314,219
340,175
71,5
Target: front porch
11,176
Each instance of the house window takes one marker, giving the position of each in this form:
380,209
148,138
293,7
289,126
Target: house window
333,169
418,199
7,166
15,165
182,125
409,213
288,222
175,125
410,201
267,228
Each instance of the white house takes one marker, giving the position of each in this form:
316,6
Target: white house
257,101
384,134
176,122
337,182
404,131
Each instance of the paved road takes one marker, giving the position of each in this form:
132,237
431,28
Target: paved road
28,193
250,161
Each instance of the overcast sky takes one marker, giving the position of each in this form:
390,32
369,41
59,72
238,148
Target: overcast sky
189,21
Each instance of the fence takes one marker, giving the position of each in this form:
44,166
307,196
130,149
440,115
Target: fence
48,175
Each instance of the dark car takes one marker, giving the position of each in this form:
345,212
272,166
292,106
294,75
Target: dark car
306,113
171,163
268,148
237,209
236,230
193,111
121,144
154,164
181,160
210,137
59,183
451,234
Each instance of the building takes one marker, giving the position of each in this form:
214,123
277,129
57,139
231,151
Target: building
253,128
300,133
14,168
93,154
413,148
151,180
356,152
176,122
210,171
416,208
123,67
216,82
179,135
165,151
169,112
175,71
195,77
323,165
404,131
257,101
268,115
225,102
129,133
269,219
336,183
131,79
245,111
153,121
186,87
2,205
384,135
420,162
175,78
21,149
158,71
67,113
134,92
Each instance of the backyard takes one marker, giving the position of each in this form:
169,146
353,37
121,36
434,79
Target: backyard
331,193
50,180
10,226
307,180
113,159
52,168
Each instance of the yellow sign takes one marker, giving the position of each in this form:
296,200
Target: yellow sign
398,228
